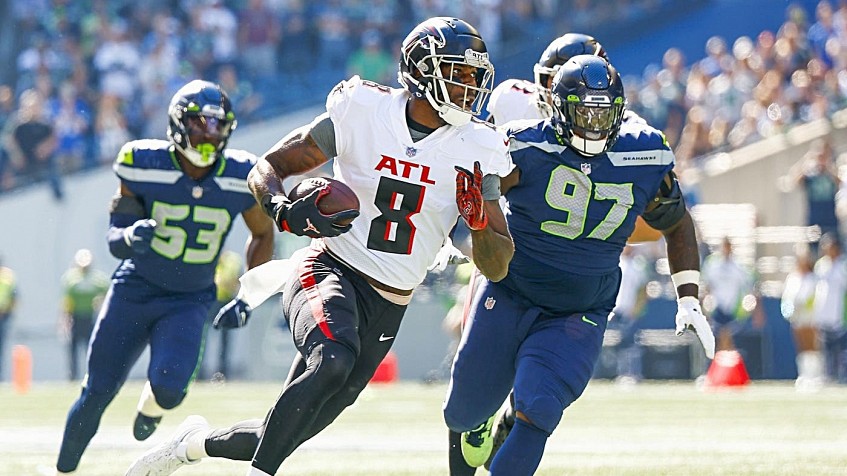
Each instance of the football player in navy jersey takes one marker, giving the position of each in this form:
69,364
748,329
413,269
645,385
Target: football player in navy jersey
522,100
580,180
174,208
532,101
417,159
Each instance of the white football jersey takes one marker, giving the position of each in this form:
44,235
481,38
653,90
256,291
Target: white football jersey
516,99
406,189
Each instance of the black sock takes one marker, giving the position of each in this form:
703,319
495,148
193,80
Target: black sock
458,466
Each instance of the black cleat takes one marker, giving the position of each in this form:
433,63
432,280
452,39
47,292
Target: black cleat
501,431
144,426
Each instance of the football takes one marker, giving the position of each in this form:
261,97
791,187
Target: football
340,196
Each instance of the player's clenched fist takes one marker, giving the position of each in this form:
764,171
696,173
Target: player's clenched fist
139,235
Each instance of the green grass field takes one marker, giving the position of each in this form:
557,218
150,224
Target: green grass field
650,429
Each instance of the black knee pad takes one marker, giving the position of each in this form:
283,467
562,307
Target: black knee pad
168,398
331,362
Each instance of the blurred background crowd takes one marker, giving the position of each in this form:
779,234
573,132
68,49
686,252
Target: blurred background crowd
90,75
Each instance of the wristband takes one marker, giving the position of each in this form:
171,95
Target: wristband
688,276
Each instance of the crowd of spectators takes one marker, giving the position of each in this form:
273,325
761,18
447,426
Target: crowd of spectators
103,71
746,89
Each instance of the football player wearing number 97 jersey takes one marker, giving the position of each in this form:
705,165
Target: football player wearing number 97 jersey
175,206
417,159
522,100
580,180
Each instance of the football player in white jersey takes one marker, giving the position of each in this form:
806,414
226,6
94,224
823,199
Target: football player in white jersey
417,160
519,99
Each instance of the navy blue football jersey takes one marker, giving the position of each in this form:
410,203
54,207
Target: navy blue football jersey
193,217
573,213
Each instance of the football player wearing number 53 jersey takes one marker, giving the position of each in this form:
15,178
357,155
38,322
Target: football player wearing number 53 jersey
417,160
580,180
174,208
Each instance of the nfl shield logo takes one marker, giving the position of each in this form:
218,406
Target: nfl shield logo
489,303
411,151
197,192
586,168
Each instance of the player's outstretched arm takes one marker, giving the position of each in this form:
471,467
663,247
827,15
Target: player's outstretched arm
684,261
667,213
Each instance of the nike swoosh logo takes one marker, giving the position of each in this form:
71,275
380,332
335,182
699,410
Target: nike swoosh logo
589,321
383,337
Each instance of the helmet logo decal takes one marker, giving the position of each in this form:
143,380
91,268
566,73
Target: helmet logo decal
432,37
476,58
598,99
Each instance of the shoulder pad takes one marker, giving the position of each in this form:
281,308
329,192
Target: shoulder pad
519,125
633,117
127,155
514,86
485,134
238,163
640,144
494,143
638,135
239,155
147,160
355,90
514,99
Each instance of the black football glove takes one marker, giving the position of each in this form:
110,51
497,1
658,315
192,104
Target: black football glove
303,218
139,235
233,315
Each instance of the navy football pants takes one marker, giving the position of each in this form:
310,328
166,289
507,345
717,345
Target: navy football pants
508,343
135,314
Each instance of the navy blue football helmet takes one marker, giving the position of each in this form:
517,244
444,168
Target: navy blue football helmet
588,104
445,41
200,107
556,54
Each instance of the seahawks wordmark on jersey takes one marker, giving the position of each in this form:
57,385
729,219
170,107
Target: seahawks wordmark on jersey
573,212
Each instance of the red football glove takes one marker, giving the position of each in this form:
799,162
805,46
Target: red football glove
469,197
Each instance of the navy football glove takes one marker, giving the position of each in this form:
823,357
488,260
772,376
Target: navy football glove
302,217
233,315
139,235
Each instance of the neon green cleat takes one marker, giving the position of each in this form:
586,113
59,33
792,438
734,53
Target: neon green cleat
477,443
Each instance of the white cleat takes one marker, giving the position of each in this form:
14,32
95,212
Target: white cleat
168,456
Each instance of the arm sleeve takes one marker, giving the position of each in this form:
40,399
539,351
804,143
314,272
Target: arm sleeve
322,131
491,187
123,213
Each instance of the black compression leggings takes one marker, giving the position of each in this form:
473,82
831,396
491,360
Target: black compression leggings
317,391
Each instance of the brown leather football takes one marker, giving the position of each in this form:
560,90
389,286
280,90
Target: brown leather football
340,196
